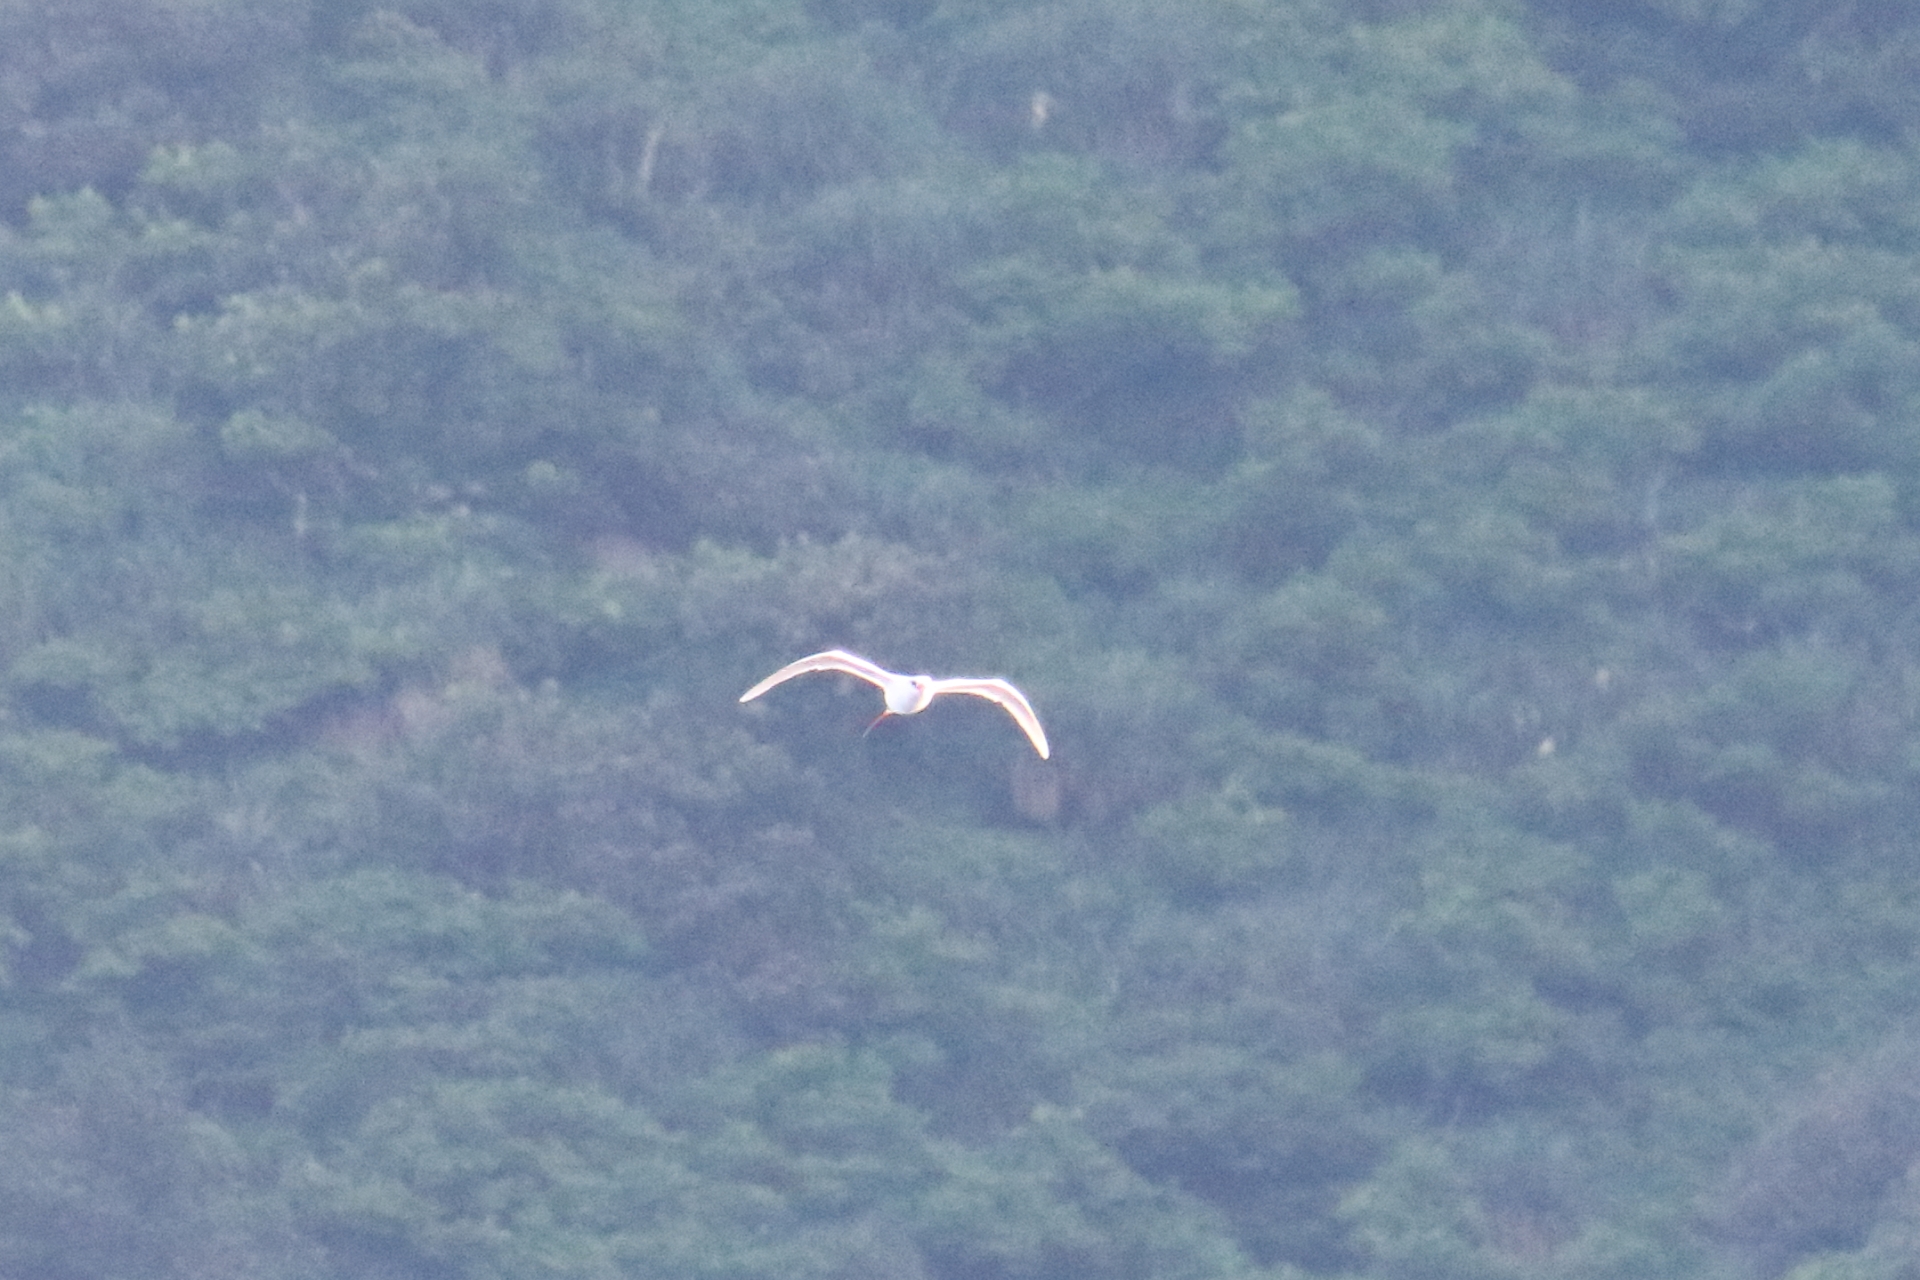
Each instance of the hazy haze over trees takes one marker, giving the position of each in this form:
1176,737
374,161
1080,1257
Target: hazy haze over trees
1446,471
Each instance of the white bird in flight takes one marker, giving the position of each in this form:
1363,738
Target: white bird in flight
909,695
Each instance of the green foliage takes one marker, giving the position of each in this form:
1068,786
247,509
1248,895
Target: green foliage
1417,1218
1443,473
1217,842
1816,1179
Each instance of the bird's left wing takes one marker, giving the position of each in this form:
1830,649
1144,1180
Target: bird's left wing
1015,702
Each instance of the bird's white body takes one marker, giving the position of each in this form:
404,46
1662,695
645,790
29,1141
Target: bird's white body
909,695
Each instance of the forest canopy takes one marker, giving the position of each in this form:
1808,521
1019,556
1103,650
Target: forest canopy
1447,473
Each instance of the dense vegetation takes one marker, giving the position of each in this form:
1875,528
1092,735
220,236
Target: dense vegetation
1447,471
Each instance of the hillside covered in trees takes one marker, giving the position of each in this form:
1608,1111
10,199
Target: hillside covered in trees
1446,471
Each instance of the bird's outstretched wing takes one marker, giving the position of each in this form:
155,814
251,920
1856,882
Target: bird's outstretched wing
832,660
1000,691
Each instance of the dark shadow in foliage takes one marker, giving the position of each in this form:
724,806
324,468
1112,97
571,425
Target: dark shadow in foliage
850,14
1271,1145
728,888
1814,1180
1749,77
108,1174
93,86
